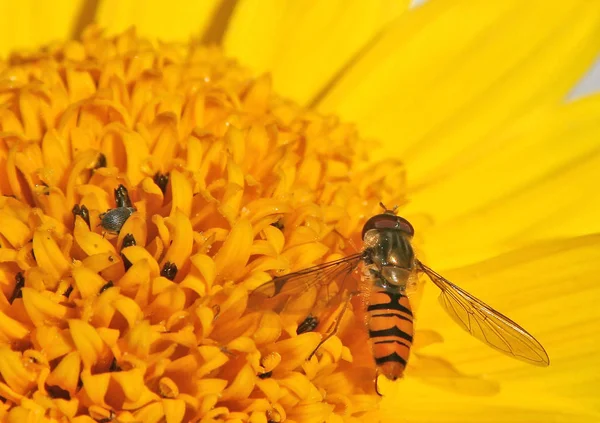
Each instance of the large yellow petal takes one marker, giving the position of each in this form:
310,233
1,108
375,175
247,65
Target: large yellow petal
551,289
412,401
527,188
304,44
450,73
164,20
28,24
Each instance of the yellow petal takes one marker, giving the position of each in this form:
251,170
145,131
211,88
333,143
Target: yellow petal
139,339
296,350
311,413
214,359
327,35
151,413
532,286
509,406
402,92
269,329
129,309
87,281
160,20
182,194
137,254
66,373
15,231
174,410
23,29
136,226
542,187
95,386
206,268
242,385
235,251
54,342
181,232
42,310
11,330
90,345
90,242
13,372
132,383
48,255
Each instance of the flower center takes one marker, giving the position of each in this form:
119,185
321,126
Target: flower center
146,190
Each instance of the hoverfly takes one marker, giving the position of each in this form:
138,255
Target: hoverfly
389,268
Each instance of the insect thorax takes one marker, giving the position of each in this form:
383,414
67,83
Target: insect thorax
389,257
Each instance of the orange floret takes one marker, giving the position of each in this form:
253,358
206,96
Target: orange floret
231,184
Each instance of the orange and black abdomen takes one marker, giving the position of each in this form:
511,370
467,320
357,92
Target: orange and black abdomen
390,324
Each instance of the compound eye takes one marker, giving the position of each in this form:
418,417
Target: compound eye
388,221
380,221
405,226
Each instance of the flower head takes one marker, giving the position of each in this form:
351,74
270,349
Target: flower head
147,190
148,187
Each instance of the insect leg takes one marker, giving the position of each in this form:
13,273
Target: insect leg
376,385
338,320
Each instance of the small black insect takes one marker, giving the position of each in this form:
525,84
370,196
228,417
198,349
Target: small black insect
83,212
122,197
20,283
308,325
162,180
169,270
114,219
107,285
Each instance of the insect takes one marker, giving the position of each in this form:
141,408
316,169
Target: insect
114,219
389,270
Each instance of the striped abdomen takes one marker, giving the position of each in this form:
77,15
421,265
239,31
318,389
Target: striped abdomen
390,324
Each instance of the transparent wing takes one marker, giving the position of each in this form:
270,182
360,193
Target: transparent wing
301,281
485,323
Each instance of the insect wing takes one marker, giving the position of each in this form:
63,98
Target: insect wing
292,284
485,323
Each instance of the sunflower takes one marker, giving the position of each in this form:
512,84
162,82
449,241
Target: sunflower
148,186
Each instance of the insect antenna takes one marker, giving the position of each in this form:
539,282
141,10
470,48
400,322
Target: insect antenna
386,210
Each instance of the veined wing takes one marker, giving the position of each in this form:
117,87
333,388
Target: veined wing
485,323
301,281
